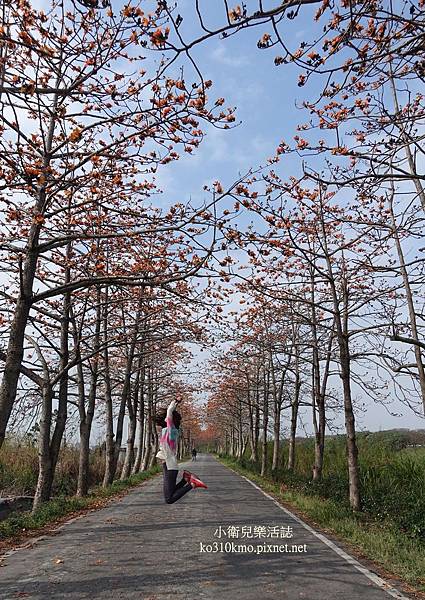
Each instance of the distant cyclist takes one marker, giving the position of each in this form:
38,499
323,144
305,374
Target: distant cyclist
194,453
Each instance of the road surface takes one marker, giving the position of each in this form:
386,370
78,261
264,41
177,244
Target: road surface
230,541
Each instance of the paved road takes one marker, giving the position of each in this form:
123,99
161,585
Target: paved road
141,548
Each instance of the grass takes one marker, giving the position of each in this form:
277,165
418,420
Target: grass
417,454
19,468
392,477
19,525
380,541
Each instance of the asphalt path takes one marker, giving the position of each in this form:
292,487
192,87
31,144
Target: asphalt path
228,542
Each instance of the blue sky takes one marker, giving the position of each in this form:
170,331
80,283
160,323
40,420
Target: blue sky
266,97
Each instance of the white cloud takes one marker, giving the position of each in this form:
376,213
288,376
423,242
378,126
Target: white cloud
224,57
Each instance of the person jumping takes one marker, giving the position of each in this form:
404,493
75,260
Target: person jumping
169,421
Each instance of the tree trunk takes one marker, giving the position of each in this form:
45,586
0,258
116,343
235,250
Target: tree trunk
251,422
256,427
48,475
294,420
44,459
410,303
276,436
278,399
341,326
406,140
141,418
126,389
265,427
15,347
108,476
132,426
129,455
62,412
320,429
86,416
148,427
240,433
84,460
352,452
14,356
233,439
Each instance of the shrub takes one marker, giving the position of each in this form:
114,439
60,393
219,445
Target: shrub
392,476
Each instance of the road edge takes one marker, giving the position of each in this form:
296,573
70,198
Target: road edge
11,545
374,577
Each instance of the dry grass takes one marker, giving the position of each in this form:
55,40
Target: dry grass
19,468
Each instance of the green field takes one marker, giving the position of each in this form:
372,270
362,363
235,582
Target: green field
392,477
390,528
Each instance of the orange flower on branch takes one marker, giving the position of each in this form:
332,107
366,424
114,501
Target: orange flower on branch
75,134
342,150
301,143
159,37
265,41
313,55
33,171
235,13
39,219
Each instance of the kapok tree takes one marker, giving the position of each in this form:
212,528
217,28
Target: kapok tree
85,115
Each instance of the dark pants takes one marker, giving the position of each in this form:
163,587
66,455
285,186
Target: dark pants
173,491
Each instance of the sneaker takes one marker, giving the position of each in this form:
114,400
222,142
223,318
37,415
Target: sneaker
197,482
187,475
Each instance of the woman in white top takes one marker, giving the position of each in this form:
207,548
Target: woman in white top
169,421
